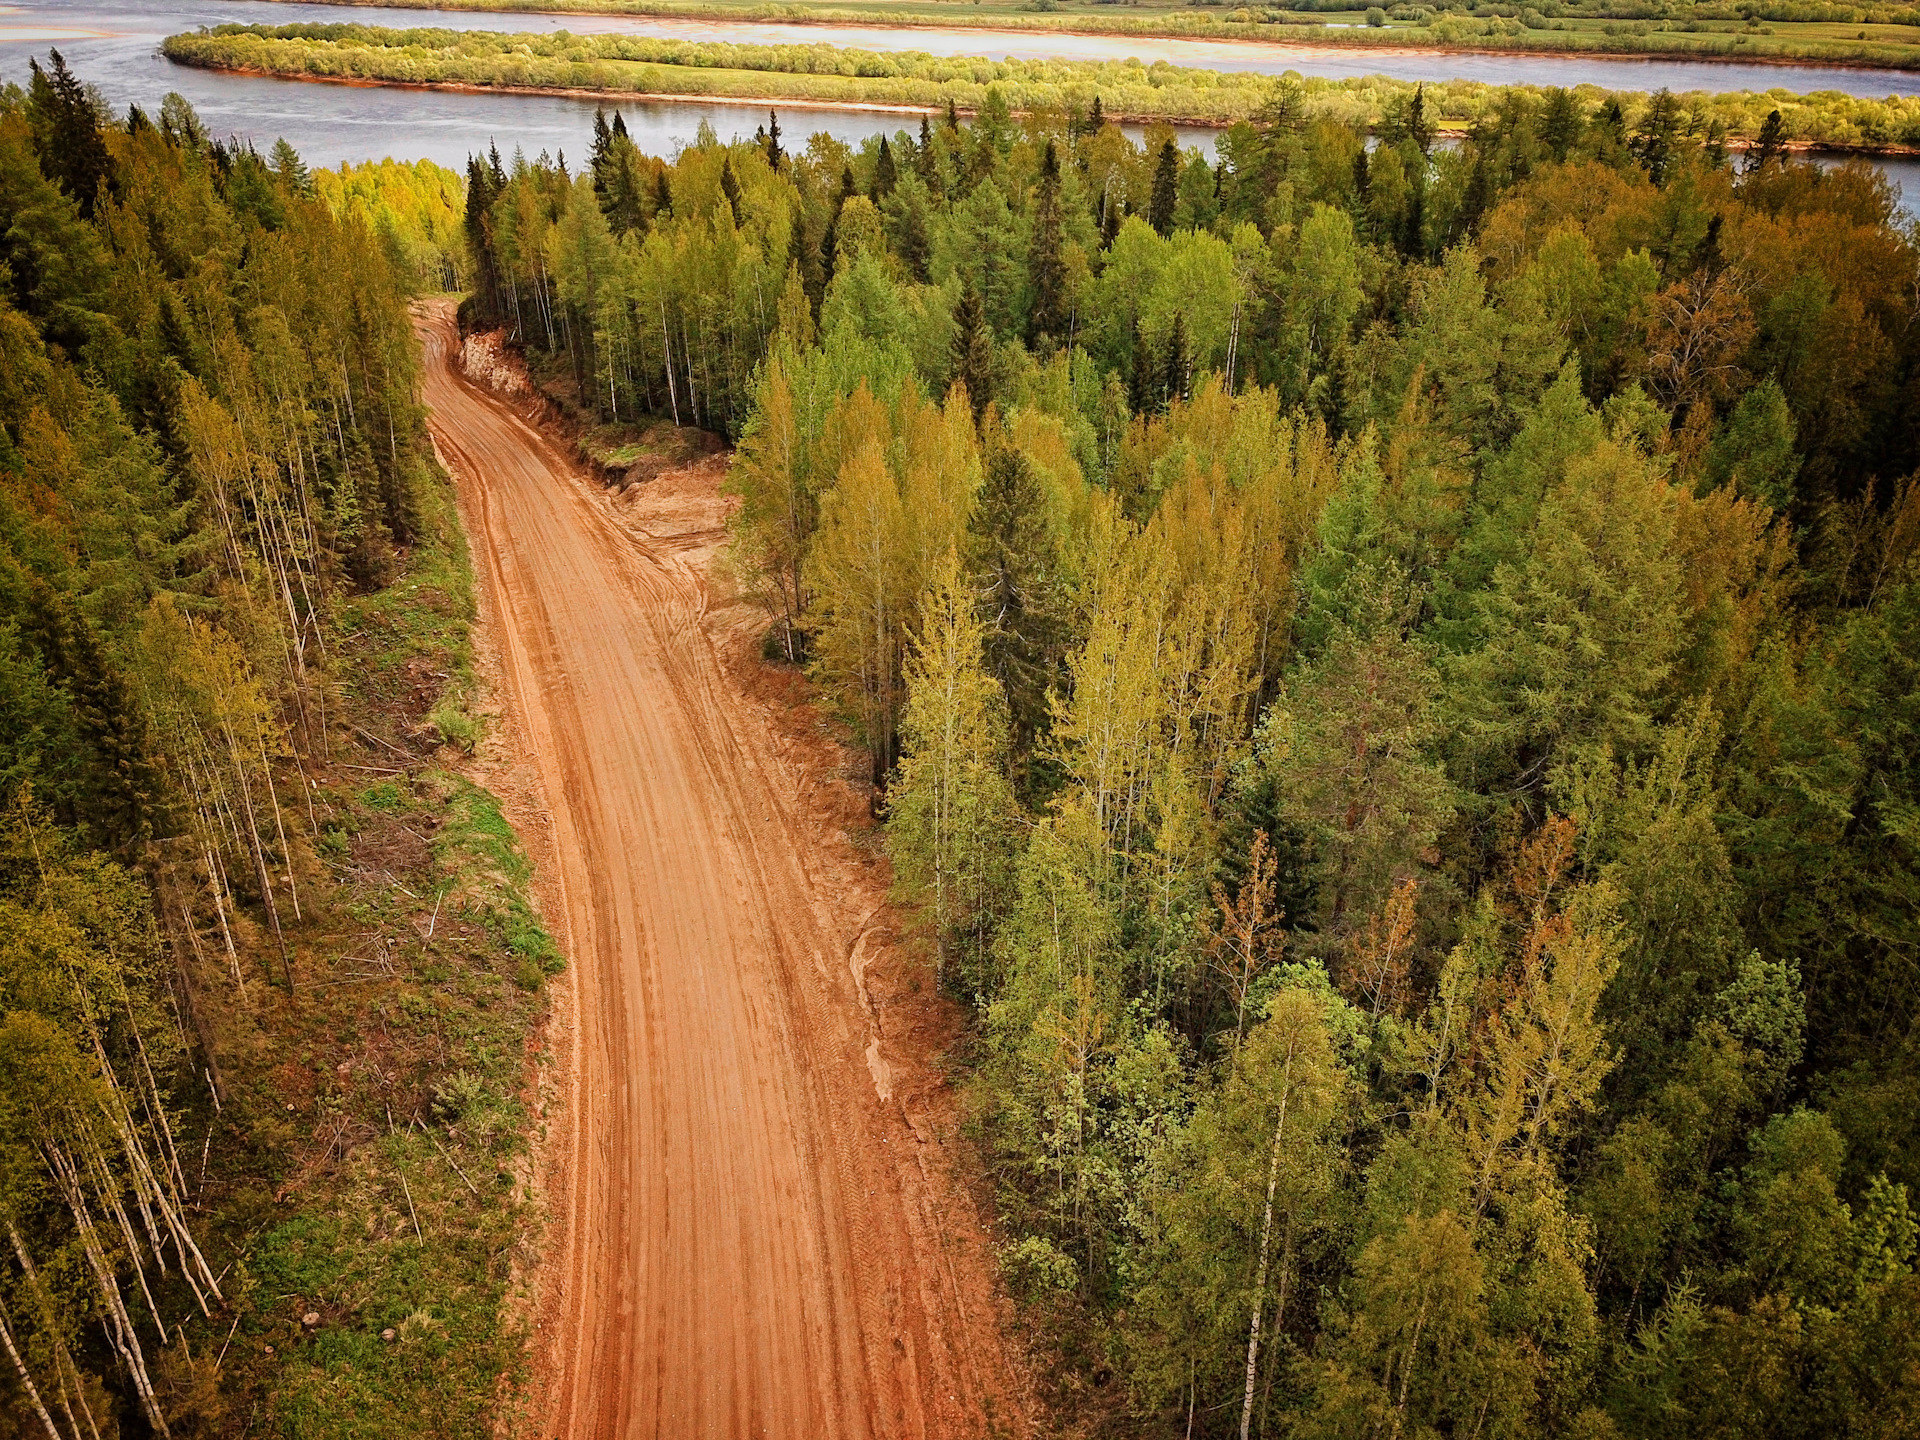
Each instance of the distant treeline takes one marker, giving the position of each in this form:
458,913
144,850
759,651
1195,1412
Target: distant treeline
1127,89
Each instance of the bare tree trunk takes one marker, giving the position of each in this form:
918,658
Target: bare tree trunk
26,1380
1266,1240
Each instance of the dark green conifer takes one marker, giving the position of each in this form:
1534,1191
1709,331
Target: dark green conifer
66,133
1046,265
1166,189
973,351
730,187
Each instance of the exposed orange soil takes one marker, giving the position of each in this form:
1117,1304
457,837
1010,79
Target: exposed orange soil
757,1229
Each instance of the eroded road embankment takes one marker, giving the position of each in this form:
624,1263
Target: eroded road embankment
744,1242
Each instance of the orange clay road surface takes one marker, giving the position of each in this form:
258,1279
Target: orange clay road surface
741,1245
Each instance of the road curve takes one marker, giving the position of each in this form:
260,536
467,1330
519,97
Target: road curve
743,1248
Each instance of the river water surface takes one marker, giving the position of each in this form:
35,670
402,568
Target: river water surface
114,44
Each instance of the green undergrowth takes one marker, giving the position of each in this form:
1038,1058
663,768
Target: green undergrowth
489,870
411,655
367,1165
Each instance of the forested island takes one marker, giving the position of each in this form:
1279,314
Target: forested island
1387,674
639,66
1777,30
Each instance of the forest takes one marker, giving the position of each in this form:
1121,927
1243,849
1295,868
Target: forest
1128,90
1389,676
239,1085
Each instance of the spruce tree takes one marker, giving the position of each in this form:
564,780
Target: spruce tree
117,800
1561,122
1142,386
1659,133
66,133
291,169
924,160
911,243
1166,190
1021,601
1046,266
973,351
773,141
597,155
1769,145
481,191
730,187
1173,385
885,176
1109,221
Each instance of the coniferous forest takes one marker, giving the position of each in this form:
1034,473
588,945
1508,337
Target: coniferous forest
1389,674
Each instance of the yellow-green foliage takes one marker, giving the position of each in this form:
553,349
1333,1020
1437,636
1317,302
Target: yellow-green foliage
416,208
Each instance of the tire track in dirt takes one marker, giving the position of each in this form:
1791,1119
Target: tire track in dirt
748,1239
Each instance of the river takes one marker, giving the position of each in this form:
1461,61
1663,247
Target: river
116,47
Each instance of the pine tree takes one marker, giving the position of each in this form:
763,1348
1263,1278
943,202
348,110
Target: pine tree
1046,266
1166,189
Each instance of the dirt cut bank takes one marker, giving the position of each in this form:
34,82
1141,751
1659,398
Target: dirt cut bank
755,1233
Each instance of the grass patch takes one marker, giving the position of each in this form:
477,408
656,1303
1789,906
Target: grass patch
490,873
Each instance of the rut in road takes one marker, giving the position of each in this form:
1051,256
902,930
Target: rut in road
746,1247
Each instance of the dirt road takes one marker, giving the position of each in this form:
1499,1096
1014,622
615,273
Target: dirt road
750,1244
